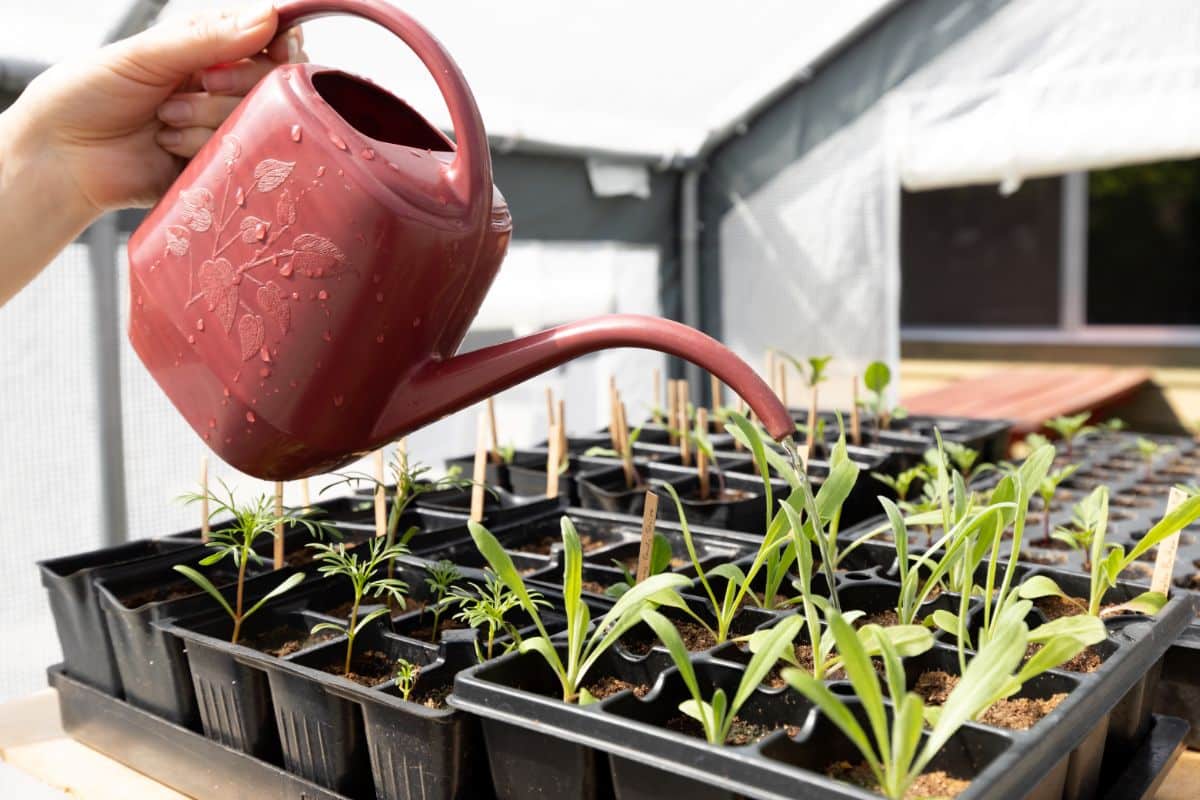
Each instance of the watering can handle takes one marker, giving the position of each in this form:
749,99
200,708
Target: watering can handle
470,174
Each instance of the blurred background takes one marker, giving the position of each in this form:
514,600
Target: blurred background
952,186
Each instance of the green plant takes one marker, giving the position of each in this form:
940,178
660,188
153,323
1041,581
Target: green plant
507,452
365,579
582,648
440,578
1148,450
717,714
235,540
1109,560
660,562
963,458
1086,518
1046,491
893,748
876,378
902,483
812,369
406,677
1070,428
488,607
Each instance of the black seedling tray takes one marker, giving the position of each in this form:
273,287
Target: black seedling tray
516,696
171,754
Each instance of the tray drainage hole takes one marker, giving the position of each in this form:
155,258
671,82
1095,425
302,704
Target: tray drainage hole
844,689
857,576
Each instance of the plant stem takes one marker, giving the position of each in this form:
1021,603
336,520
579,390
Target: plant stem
241,584
350,634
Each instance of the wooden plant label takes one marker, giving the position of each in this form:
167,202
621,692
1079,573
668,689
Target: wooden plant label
783,397
673,411
204,529
701,456
305,496
741,407
553,460
562,431
1164,562
681,422
657,412
626,448
715,390
479,473
549,407
380,496
649,518
811,436
279,525
614,397
495,448
855,419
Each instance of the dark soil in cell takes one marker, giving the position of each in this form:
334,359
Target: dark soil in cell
742,731
885,619
595,587
369,668
1055,607
804,655
1189,582
1087,661
608,686
1125,501
750,601
157,594
695,637
544,545
343,610
1137,571
1049,559
929,785
1153,490
1017,713
721,496
283,640
434,698
425,632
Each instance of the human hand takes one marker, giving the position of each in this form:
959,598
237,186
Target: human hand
119,122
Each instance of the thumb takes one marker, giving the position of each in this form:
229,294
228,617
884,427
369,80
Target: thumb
171,51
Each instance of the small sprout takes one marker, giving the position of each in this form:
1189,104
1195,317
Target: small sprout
660,562
901,484
1070,428
236,541
406,677
1149,450
487,607
1046,491
1109,560
440,579
368,578
876,378
507,452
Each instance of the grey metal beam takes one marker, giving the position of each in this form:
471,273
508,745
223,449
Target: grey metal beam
103,240
689,256
1072,279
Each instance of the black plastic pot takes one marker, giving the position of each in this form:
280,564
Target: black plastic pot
70,586
607,490
495,473
742,508
1178,691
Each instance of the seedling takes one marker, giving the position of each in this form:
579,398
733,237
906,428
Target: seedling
1149,450
1109,560
903,483
488,607
717,714
236,541
1086,519
441,577
892,748
660,562
1070,428
582,646
406,677
963,458
368,578
1046,491
876,378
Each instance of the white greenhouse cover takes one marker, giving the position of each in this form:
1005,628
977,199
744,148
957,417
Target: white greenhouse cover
810,261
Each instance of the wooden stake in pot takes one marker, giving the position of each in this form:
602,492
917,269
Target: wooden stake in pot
380,496
562,431
495,448
701,456
479,473
649,517
204,526
783,397
279,525
1164,562
553,459
855,419
741,407
549,407
613,400
681,422
656,411
673,412
811,438
714,386
305,496
626,449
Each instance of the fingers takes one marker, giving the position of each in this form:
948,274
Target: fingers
185,142
168,53
197,110
287,47
239,77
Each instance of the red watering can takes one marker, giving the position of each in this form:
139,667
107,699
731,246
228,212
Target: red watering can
301,290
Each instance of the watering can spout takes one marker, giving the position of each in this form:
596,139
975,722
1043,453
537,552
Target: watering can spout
443,387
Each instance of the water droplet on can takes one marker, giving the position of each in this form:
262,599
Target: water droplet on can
379,297
239,197
265,372
200,324
394,166
191,337
286,270
417,322
338,142
368,154
296,133
338,400
327,336
322,295
212,422
260,232
320,171
379,338
265,355
250,416
295,295
225,390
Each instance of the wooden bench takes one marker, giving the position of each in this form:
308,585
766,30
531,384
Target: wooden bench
1029,397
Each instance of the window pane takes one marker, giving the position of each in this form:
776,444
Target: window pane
972,256
1144,245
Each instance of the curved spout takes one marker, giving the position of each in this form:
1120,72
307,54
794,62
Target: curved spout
448,386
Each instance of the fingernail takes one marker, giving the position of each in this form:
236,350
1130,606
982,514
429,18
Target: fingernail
169,137
254,15
175,111
217,80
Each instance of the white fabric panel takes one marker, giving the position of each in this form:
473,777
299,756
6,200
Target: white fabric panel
51,32
1048,88
621,75
50,471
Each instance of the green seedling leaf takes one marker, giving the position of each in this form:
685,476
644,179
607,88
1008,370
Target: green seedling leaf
1038,586
1148,603
204,583
292,582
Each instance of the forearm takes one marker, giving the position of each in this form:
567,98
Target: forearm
41,210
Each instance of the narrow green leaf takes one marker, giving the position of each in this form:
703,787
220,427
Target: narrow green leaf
292,582
204,583
1038,586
